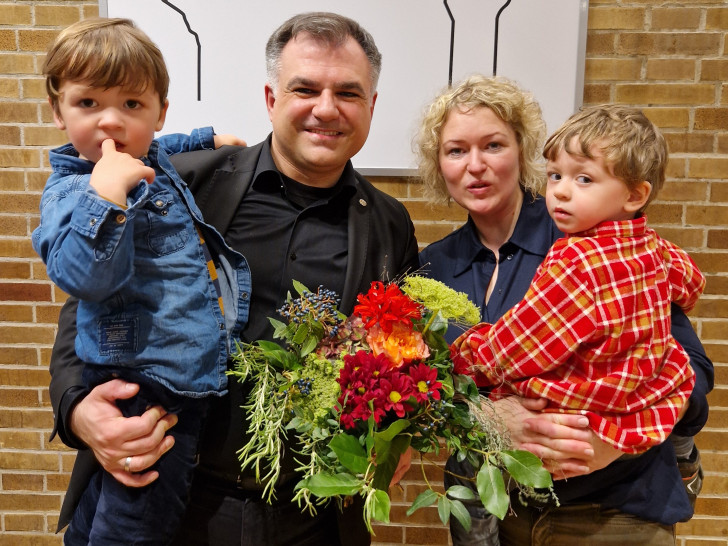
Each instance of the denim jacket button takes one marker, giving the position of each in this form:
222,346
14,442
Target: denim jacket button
159,202
120,218
92,221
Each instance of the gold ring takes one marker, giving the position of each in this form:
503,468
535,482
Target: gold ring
127,464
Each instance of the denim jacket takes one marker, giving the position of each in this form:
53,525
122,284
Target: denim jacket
147,298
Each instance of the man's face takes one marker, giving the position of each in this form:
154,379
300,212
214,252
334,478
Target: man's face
322,109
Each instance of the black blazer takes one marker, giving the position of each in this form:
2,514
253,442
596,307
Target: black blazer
381,245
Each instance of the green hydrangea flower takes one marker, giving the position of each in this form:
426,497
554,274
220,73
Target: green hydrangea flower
314,388
436,296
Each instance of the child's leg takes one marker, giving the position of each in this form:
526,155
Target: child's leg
78,530
151,515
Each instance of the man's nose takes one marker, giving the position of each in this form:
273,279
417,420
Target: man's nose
326,108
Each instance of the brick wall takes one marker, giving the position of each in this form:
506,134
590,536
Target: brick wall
667,57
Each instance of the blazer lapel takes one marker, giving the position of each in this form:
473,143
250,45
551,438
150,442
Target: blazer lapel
359,218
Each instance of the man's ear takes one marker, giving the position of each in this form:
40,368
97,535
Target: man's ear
270,100
638,197
57,119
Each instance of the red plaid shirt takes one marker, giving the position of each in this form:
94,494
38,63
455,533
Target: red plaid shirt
593,333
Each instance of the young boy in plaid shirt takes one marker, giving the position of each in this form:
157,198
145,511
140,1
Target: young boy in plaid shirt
592,333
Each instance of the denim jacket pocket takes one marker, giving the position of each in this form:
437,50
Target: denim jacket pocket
169,223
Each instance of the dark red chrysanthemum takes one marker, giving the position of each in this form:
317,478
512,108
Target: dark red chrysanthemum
426,385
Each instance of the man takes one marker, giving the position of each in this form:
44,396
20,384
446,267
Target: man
295,207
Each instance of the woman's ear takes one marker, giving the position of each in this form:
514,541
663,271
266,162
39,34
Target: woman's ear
638,197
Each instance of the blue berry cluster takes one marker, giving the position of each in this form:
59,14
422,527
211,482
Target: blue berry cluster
320,306
304,385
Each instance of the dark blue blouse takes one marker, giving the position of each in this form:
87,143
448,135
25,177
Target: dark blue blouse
648,486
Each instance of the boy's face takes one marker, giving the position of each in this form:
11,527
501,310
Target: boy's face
582,192
90,115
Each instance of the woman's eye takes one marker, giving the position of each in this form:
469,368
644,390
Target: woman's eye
455,152
494,146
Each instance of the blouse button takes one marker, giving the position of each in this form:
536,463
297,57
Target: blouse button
509,257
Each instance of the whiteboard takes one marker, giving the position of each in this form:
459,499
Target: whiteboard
214,50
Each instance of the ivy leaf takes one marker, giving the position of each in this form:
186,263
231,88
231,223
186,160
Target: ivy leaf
443,509
526,468
461,514
329,485
426,498
492,490
381,505
350,452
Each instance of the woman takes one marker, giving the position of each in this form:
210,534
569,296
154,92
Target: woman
480,145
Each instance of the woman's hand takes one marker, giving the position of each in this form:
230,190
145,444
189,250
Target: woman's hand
97,421
563,441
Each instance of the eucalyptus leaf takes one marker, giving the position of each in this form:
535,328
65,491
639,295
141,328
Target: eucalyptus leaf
426,498
526,468
492,490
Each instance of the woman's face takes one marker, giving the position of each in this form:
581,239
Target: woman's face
479,161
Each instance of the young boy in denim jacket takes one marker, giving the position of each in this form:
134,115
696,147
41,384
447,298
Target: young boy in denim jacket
161,294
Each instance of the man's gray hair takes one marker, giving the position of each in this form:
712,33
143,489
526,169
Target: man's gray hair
329,28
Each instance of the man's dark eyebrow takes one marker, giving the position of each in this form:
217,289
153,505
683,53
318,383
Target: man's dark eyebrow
306,82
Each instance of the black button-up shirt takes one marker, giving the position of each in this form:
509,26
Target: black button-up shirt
290,231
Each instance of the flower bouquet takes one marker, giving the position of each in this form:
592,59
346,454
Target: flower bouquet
354,393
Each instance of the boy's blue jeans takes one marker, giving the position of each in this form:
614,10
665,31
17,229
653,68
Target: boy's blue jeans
112,513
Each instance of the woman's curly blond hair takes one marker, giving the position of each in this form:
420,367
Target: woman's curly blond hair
510,103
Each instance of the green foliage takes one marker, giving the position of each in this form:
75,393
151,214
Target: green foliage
294,395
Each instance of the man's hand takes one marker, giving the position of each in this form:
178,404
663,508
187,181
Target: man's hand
97,421
564,442
117,173
228,140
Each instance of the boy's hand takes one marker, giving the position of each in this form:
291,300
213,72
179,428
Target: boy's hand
117,173
228,140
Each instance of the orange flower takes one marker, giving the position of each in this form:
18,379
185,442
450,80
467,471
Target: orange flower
401,346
